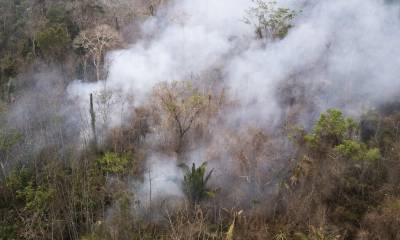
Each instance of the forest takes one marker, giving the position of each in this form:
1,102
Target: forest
199,119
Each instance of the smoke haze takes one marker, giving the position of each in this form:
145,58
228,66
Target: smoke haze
338,54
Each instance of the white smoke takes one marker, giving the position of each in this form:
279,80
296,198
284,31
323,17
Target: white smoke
352,47
348,47
344,52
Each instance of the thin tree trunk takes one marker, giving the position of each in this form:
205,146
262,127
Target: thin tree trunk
93,122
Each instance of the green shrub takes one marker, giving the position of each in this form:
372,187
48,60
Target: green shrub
331,129
18,179
112,163
56,14
36,199
8,66
195,183
7,140
358,152
54,42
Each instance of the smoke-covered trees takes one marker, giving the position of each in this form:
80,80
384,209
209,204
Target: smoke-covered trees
8,71
94,43
338,180
269,21
181,106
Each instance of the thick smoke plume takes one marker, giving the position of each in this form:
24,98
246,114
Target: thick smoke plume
343,52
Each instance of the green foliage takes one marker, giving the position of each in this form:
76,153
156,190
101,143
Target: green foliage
7,140
18,179
358,152
269,21
113,163
195,183
8,66
331,129
28,205
57,14
341,168
36,198
54,42
8,232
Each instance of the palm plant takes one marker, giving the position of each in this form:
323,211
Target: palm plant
194,183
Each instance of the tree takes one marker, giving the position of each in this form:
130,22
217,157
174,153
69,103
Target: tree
334,171
112,163
54,42
94,43
357,152
57,14
8,70
121,11
269,21
86,13
38,200
195,181
31,28
93,122
8,66
181,105
331,129
8,139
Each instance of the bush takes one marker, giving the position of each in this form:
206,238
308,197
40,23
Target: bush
357,152
8,66
54,42
56,15
331,129
112,163
195,183
36,198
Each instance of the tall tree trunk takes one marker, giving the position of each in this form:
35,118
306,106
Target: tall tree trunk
93,123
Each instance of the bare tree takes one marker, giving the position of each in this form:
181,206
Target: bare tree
96,42
180,106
